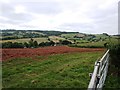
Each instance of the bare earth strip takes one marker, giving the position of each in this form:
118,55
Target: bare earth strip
31,52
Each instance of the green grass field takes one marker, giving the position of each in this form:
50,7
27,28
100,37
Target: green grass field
98,44
70,70
39,40
56,38
91,44
68,35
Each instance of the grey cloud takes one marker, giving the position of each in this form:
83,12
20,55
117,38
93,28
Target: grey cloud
98,13
7,11
76,25
104,20
47,7
81,27
108,25
43,7
10,21
27,26
103,14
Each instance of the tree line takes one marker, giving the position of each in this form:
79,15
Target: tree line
33,44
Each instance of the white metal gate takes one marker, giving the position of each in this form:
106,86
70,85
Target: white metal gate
100,72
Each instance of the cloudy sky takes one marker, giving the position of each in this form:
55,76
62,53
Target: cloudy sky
86,16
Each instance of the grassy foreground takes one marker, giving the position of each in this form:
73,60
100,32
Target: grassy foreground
70,70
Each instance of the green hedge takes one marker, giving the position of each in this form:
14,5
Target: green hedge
87,46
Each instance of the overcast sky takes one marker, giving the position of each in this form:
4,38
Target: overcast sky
86,16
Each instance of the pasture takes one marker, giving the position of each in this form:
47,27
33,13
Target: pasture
39,40
99,44
64,70
25,40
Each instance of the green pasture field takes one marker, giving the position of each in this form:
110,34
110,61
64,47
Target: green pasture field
68,35
101,36
99,44
70,70
56,38
39,40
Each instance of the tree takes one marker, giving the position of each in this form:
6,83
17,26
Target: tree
65,42
26,44
42,44
35,44
17,45
7,45
105,44
105,34
115,56
74,41
52,43
49,39
31,43
12,45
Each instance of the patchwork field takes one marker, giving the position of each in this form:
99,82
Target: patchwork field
49,67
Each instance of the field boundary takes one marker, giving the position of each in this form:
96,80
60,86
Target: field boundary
100,72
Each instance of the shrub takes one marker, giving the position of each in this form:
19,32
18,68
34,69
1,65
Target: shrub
35,44
26,45
7,45
51,43
65,42
12,45
42,44
115,56
86,46
31,43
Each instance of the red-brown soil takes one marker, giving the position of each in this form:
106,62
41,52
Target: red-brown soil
31,52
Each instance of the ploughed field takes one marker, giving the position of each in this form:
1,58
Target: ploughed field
48,67
32,52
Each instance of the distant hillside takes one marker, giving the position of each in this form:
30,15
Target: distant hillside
10,34
45,32
41,38
18,34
